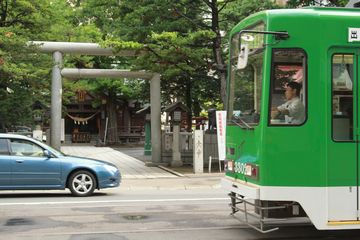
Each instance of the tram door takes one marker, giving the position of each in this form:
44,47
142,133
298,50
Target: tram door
342,147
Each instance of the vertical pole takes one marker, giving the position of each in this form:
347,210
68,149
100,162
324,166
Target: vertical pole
176,155
210,160
198,161
56,101
106,129
147,145
155,101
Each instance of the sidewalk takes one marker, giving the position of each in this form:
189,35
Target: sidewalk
188,182
137,176
130,168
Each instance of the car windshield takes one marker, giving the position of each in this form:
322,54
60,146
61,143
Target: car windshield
244,93
53,150
56,151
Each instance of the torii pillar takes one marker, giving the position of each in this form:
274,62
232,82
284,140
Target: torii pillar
155,102
56,101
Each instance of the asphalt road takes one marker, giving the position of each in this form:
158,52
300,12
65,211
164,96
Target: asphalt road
142,214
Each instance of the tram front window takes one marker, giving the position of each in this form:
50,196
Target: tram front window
245,84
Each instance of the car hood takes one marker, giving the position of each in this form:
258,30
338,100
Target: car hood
86,161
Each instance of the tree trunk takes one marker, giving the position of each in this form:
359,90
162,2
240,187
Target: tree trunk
188,103
217,50
3,14
112,132
196,108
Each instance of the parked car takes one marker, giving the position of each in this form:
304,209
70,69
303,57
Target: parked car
20,129
28,164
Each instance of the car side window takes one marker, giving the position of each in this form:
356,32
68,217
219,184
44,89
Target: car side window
4,149
25,148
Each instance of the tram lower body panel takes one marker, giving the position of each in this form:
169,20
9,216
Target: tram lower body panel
328,208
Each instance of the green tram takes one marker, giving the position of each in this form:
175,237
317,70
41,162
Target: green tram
293,116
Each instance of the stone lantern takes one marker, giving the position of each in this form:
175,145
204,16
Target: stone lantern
176,112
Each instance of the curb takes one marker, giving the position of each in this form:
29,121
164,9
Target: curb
171,171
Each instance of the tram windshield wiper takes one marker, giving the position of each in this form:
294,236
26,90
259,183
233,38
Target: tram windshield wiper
244,124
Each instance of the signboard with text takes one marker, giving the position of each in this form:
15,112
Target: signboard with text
221,133
354,35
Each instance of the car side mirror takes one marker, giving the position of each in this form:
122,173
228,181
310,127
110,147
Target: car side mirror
48,154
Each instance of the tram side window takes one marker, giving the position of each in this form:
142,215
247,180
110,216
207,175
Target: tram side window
288,87
342,97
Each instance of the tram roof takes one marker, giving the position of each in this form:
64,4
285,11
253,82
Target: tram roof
306,12
331,11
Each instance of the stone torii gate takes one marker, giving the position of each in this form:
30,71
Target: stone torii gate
57,49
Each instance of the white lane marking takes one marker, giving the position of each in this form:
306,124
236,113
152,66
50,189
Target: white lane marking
115,201
63,233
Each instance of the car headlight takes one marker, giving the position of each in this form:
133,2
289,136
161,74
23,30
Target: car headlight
110,168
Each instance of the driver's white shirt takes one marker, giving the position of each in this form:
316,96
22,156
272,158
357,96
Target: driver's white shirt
296,111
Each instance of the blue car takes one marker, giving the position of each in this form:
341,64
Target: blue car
27,164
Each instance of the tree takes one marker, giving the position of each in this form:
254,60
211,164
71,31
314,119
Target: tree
24,72
178,49
218,17
328,3
21,78
185,41
210,21
169,47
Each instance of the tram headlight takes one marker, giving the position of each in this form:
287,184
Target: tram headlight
252,171
229,166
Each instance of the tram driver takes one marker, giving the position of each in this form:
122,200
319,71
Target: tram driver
293,109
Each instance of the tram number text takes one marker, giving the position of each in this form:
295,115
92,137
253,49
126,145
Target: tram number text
240,167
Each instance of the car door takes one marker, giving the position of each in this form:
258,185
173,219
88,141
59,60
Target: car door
5,164
30,168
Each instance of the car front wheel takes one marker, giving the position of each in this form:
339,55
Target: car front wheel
82,183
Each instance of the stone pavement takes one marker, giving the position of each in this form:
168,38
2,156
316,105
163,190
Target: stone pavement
188,182
137,176
130,168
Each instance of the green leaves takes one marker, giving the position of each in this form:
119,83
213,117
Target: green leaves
119,45
24,73
303,3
